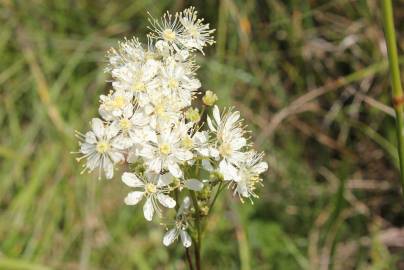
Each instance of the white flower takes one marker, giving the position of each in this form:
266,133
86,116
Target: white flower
138,79
181,226
248,174
154,188
163,111
100,149
165,152
193,140
168,29
178,83
133,127
128,51
229,141
114,104
196,34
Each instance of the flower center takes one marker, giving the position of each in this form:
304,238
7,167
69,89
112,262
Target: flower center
193,31
102,147
165,148
151,188
169,35
139,87
187,142
125,124
173,83
159,109
225,149
117,103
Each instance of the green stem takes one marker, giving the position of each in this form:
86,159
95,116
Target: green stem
198,243
219,189
397,91
189,260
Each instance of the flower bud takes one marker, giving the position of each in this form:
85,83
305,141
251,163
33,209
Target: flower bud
209,98
192,114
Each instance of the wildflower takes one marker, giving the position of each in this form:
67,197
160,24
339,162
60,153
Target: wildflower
178,83
137,79
168,29
132,126
128,52
196,34
154,188
229,141
165,152
113,105
249,171
100,149
150,122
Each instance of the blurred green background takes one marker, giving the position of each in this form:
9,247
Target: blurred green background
311,79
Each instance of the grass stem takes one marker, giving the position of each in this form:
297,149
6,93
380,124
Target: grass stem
397,92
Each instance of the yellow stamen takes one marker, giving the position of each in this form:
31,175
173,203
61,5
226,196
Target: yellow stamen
225,149
165,148
173,83
125,124
102,147
169,35
151,188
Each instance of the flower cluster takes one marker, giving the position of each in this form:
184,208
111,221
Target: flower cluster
147,121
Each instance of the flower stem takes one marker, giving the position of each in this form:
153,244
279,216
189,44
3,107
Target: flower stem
198,243
397,92
219,189
189,260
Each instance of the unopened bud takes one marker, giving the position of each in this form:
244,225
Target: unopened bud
192,114
209,98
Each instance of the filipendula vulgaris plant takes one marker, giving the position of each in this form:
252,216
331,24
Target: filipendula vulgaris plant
177,159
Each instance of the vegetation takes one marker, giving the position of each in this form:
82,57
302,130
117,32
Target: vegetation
311,77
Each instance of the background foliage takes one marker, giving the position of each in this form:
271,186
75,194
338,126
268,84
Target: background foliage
311,79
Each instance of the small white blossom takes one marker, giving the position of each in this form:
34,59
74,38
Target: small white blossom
133,127
229,141
196,34
114,104
100,149
168,29
165,152
178,84
154,188
248,172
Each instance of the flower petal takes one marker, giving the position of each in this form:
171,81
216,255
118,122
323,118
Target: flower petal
186,203
193,184
174,169
261,167
131,180
229,171
210,125
98,127
185,238
216,114
166,200
90,137
164,180
148,209
134,197
108,168
170,236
